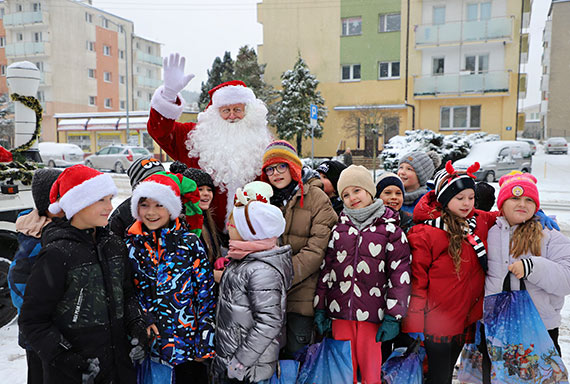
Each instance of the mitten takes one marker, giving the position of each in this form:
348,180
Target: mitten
236,370
546,221
174,78
389,329
92,371
221,263
138,352
323,322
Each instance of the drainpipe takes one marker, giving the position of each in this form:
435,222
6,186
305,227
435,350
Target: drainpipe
518,72
407,60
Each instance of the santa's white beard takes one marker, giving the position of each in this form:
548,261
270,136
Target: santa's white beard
231,153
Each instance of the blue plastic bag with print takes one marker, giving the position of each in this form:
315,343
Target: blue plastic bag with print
518,343
404,365
328,362
286,373
153,372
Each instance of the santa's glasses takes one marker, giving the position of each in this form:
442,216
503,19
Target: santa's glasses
280,168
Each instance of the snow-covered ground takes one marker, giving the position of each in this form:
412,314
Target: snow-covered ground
552,172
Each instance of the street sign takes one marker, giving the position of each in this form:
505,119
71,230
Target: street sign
314,115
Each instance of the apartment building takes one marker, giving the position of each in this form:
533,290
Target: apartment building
452,65
554,113
86,56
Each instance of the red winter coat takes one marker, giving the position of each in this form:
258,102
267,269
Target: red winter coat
443,304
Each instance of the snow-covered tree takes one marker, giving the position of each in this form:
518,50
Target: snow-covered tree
222,71
6,121
248,70
299,91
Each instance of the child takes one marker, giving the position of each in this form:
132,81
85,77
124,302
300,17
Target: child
390,189
173,276
330,172
364,285
309,217
253,291
415,169
79,299
519,244
449,257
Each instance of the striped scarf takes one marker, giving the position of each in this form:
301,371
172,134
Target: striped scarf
470,236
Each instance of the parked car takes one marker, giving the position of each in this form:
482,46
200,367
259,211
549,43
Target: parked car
556,145
60,154
497,158
532,144
116,157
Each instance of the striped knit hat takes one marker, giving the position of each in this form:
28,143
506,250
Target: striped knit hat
448,182
280,151
142,168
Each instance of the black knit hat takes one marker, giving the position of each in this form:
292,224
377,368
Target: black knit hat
142,168
200,177
331,169
386,179
42,181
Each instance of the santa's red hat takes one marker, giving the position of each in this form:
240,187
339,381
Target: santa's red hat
230,92
78,187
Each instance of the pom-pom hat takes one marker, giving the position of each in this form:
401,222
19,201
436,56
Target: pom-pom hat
142,168
448,182
281,151
518,184
78,187
230,92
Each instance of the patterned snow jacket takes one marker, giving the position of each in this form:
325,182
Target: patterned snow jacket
174,282
366,273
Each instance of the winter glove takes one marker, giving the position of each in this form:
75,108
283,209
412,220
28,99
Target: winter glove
138,331
547,221
389,329
324,324
236,370
72,364
174,78
138,352
415,335
221,263
92,371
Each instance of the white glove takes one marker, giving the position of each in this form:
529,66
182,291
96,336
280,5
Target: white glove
174,78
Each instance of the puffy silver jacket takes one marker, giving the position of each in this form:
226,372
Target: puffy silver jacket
251,312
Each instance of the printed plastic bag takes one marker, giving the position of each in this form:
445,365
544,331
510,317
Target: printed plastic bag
328,362
470,365
518,343
153,372
404,365
286,373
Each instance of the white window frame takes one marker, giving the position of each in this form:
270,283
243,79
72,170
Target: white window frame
92,101
3,70
107,78
437,7
351,78
37,7
88,17
19,36
122,105
90,46
2,41
451,126
19,8
345,25
38,37
121,54
390,75
108,103
479,15
107,50
105,23
433,72
121,79
478,57
91,73
383,22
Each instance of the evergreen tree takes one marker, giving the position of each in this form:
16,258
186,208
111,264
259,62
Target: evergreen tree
248,70
227,68
214,79
299,91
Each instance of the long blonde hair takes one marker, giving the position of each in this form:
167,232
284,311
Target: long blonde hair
455,233
527,237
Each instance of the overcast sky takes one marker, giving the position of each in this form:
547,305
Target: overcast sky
202,30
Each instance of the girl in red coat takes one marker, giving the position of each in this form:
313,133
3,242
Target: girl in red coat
448,269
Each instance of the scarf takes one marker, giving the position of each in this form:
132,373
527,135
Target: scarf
282,196
411,197
363,217
240,249
32,224
470,236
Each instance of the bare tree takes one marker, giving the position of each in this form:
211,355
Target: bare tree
370,123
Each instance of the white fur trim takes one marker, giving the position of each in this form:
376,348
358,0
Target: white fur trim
164,107
84,194
159,192
232,94
54,208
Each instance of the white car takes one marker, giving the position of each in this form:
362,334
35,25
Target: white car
60,154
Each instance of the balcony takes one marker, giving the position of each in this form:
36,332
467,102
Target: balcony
524,48
26,49
24,18
462,84
148,58
479,31
147,82
522,85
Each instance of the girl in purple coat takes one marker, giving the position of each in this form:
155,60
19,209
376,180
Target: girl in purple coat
364,283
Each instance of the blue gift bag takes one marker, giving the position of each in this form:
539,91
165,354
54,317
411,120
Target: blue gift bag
518,343
286,373
153,372
328,362
470,365
404,365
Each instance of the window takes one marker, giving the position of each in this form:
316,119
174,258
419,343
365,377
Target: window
438,66
478,11
83,141
350,72
460,117
88,17
477,64
107,50
37,7
438,15
387,70
3,70
122,79
92,100
105,23
40,96
19,8
90,46
91,73
149,50
107,77
352,26
2,41
37,37
122,104
148,73
108,103
121,54
40,65
389,22
20,37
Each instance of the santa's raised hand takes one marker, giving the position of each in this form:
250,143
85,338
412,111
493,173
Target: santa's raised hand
174,78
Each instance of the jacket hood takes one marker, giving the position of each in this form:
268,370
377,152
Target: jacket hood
32,223
280,258
429,208
61,229
308,174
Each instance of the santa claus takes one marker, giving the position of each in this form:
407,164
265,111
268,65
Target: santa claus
228,140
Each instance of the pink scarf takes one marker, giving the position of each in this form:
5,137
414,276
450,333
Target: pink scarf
240,249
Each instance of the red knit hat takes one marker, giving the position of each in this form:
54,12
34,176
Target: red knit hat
230,92
280,151
78,187
517,184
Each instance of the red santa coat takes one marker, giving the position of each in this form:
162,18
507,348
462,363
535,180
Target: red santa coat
443,304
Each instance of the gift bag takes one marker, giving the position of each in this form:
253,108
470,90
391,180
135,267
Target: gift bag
327,362
404,365
153,372
470,365
286,373
518,343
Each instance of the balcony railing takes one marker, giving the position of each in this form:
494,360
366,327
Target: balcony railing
148,82
464,31
455,83
25,49
22,18
148,58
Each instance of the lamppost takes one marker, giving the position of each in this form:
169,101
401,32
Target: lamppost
124,31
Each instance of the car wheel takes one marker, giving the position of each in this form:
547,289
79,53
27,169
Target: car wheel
7,310
51,164
490,177
524,170
89,164
119,167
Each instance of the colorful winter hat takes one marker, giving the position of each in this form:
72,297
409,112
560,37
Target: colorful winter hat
448,182
280,151
174,192
42,182
254,191
230,92
517,184
356,176
142,168
78,187
332,170
424,164
386,179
